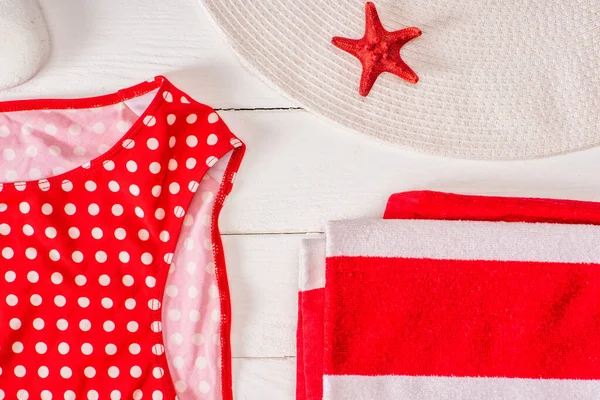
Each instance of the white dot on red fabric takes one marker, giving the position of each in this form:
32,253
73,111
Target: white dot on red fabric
33,276
73,233
24,207
149,120
101,256
108,326
110,349
83,302
128,144
60,301
190,163
108,165
212,139
93,209
35,300
12,300
8,253
113,186
15,324
179,211
87,348
174,188
134,190
120,233
210,161
41,348
139,212
159,213
213,118
43,373
158,372
85,325
172,141
154,167
193,186
70,209
17,347
54,255
107,303
158,349
130,304
146,258
191,119
152,144
132,326
172,166
66,372
69,395
97,233
117,210
131,166
191,141
90,186
171,119
135,349
104,280
124,257
38,324
20,371
113,372
4,229
46,209
77,256
156,190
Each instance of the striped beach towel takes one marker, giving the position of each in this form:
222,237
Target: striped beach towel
453,297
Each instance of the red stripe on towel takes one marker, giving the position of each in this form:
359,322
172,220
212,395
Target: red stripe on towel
462,318
449,206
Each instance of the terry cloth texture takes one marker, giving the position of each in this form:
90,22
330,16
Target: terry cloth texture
25,43
455,310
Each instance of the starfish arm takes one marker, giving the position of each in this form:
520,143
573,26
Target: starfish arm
402,70
405,35
374,29
367,80
348,45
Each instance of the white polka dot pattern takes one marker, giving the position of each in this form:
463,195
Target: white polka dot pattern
86,255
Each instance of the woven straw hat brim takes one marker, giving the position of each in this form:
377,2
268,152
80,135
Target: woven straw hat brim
499,80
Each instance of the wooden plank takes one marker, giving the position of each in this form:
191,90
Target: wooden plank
263,277
301,171
102,46
264,379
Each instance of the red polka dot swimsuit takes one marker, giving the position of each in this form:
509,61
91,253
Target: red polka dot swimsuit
87,244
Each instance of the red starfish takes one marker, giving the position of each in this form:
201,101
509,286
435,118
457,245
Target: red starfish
379,50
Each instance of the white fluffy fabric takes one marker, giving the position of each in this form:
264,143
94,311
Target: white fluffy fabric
25,43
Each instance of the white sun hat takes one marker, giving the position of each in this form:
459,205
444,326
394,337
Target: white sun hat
507,79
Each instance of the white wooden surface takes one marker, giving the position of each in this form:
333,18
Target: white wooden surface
299,171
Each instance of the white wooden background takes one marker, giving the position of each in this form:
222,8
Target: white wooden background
300,171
